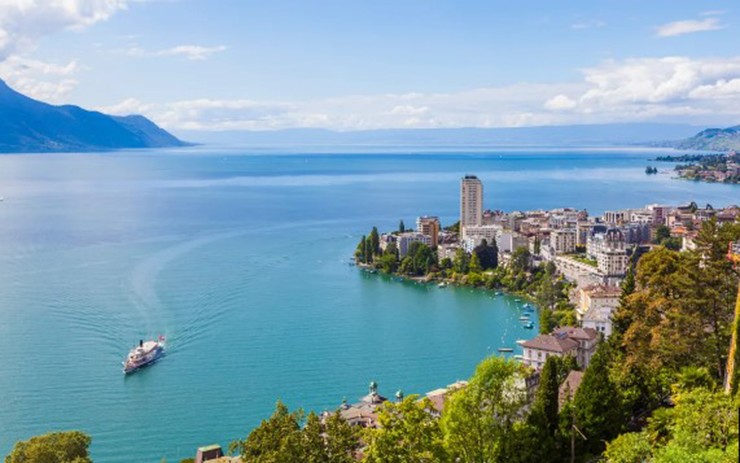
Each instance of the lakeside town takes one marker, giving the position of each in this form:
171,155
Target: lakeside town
712,168
589,260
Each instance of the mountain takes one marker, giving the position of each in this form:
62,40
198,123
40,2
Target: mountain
563,135
713,140
31,126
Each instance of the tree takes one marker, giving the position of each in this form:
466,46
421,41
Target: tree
487,254
661,233
597,403
475,266
520,260
408,432
330,441
542,422
275,440
461,262
537,245
55,447
374,242
360,255
631,447
401,227
480,417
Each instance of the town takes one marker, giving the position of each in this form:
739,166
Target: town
588,259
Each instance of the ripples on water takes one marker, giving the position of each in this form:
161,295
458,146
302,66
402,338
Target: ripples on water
242,264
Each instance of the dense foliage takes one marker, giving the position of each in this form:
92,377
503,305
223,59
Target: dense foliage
282,438
56,447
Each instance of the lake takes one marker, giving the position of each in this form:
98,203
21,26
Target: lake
240,258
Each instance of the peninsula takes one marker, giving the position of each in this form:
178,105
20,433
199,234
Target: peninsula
714,168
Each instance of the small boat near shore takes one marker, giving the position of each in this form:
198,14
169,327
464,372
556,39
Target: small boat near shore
146,353
524,318
528,325
442,285
505,349
520,341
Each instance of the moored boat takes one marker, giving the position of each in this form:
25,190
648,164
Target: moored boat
505,349
144,354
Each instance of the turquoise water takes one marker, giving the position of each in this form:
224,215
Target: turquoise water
240,259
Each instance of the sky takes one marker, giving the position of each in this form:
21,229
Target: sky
359,64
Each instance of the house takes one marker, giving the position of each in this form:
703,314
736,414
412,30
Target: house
599,319
568,389
587,339
364,413
538,349
577,342
598,297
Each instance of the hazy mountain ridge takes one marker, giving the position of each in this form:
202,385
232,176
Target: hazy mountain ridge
714,139
29,126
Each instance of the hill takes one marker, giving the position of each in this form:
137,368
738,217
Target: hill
32,126
713,140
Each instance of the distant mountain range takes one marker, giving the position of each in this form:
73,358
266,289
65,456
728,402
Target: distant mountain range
713,140
637,134
31,126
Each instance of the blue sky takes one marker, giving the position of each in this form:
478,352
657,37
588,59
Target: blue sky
255,65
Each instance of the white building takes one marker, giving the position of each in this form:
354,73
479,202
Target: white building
577,342
471,203
405,240
599,319
429,225
474,235
563,241
609,250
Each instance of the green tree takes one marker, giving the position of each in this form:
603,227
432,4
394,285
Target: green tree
56,447
401,226
408,433
540,433
330,441
597,404
360,255
474,266
374,238
461,262
520,260
481,417
631,447
537,245
661,233
487,254
276,440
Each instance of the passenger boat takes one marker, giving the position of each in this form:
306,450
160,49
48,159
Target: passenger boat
144,354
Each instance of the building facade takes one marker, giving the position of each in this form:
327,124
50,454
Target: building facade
429,225
471,203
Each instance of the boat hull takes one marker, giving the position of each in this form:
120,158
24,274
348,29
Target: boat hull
151,358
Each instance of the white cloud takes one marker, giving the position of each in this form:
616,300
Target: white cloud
40,79
588,24
653,87
689,26
559,102
190,52
23,22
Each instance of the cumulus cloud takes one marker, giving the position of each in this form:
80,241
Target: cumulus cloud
651,87
40,79
190,52
23,22
689,26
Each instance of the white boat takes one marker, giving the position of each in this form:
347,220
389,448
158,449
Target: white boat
146,353
442,285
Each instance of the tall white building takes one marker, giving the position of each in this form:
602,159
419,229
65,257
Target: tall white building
471,203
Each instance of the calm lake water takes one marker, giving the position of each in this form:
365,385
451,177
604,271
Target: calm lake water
240,259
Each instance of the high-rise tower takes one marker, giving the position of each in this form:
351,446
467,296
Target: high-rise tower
471,202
